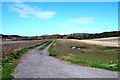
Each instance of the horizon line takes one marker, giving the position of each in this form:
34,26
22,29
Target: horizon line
60,34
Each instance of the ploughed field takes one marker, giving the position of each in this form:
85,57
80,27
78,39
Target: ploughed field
85,54
9,48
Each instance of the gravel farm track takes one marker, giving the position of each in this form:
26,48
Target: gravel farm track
38,64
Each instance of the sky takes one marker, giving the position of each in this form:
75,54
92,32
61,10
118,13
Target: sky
46,18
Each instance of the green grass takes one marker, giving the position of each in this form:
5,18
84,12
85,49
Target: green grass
11,62
45,45
92,55
53,50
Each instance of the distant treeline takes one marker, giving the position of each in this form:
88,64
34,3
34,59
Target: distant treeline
14,37
91,36
69,36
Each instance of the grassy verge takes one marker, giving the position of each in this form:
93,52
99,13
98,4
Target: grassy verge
45,45
53,50
10,62
91,55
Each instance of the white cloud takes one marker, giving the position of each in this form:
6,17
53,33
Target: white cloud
27,11
77,23
83,20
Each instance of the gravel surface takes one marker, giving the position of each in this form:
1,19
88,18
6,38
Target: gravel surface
38,64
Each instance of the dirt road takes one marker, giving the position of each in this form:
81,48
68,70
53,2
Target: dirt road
38,64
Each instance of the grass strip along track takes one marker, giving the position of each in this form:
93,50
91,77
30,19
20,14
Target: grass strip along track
45,45
11,62
90,55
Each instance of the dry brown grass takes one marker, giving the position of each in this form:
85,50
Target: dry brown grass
111,41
